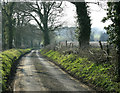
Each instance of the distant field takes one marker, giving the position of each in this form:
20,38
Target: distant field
93,43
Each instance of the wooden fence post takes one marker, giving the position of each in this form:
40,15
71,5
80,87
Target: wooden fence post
108,52
100,45
66,43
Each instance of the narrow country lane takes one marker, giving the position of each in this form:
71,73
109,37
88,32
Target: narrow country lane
27,78
36,73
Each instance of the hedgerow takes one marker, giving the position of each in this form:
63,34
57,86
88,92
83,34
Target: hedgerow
7,59
96,74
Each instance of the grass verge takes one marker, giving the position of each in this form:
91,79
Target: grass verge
8,58
91,73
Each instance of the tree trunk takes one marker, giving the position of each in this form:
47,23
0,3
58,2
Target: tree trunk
17,38
8,17
18,32
10,40
10,34
46,32
84,23
3,39
118,53
46,38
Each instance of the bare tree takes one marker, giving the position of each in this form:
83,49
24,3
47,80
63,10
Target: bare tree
48,14
22,19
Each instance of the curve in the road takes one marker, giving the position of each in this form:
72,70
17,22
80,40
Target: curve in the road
35,73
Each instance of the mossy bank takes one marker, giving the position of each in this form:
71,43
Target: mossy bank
96,74
8,60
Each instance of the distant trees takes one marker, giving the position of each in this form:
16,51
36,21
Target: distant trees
104,37
92,36
22,20
16,29
0,18
17,15
84,26
113,14
31,36
48,13
16,18
0,27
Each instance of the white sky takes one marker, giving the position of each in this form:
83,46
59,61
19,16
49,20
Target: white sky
69,14
97,14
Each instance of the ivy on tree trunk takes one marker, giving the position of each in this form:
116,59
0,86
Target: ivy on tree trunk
84,26
7,11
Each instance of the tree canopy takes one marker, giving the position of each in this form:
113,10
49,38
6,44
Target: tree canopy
48,13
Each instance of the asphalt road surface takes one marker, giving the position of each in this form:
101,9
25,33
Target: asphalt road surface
36,73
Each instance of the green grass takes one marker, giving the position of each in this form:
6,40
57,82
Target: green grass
7,59
97,74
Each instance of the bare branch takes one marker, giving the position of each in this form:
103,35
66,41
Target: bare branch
50,7
37,22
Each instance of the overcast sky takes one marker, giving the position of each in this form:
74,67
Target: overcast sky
97,14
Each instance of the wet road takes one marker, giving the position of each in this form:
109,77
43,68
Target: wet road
36,73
